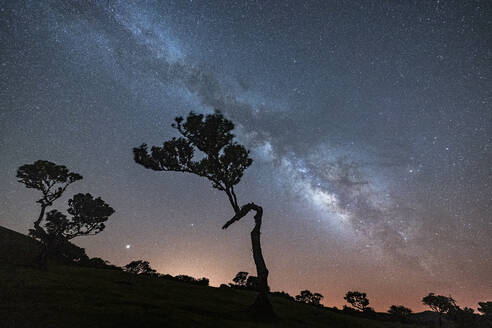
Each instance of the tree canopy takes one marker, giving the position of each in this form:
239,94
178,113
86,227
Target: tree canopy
309,298
49,178
222,160
140,267
357,299
88,215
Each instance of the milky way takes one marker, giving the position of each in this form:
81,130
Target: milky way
370,126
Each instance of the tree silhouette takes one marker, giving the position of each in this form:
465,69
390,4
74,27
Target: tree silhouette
87,214
463,317
52,180
307,297
240,278
400,312
358,300
140,267
439,304
485,308
222,161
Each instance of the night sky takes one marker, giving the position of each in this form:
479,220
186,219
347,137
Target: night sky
369,122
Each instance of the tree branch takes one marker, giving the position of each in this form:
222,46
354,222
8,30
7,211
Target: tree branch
243,212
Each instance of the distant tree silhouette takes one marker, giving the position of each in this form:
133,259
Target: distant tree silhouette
307,297
240,279
357,300
463,317
222,161
485,308
87,214
400,312
191,280
140,267
439,304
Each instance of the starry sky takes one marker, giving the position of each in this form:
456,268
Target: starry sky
370,126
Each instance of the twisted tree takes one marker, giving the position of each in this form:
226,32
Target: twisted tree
222,161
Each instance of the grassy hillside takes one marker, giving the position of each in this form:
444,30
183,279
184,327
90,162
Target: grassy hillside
16,248
73,296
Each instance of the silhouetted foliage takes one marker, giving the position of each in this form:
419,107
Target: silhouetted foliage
309,298
140,267
222,161
99,263
87,214
357,300
463,317
485,308
400,312
439,304
184,278
240,278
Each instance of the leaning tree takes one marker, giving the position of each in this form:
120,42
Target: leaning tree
222,161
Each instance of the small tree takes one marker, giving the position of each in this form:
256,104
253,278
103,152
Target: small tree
87,214
357,300
439,304
140,267
240,279
400,312
309,298
222,161
51,180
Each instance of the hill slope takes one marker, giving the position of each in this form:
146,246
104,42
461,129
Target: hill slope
16,248
74,296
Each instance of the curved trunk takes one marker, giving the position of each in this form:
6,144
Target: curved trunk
261,307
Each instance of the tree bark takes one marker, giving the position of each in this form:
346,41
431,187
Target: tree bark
262,306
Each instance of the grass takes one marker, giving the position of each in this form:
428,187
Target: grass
74,296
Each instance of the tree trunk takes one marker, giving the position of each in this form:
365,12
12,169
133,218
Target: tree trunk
262,306
43,253
37,223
